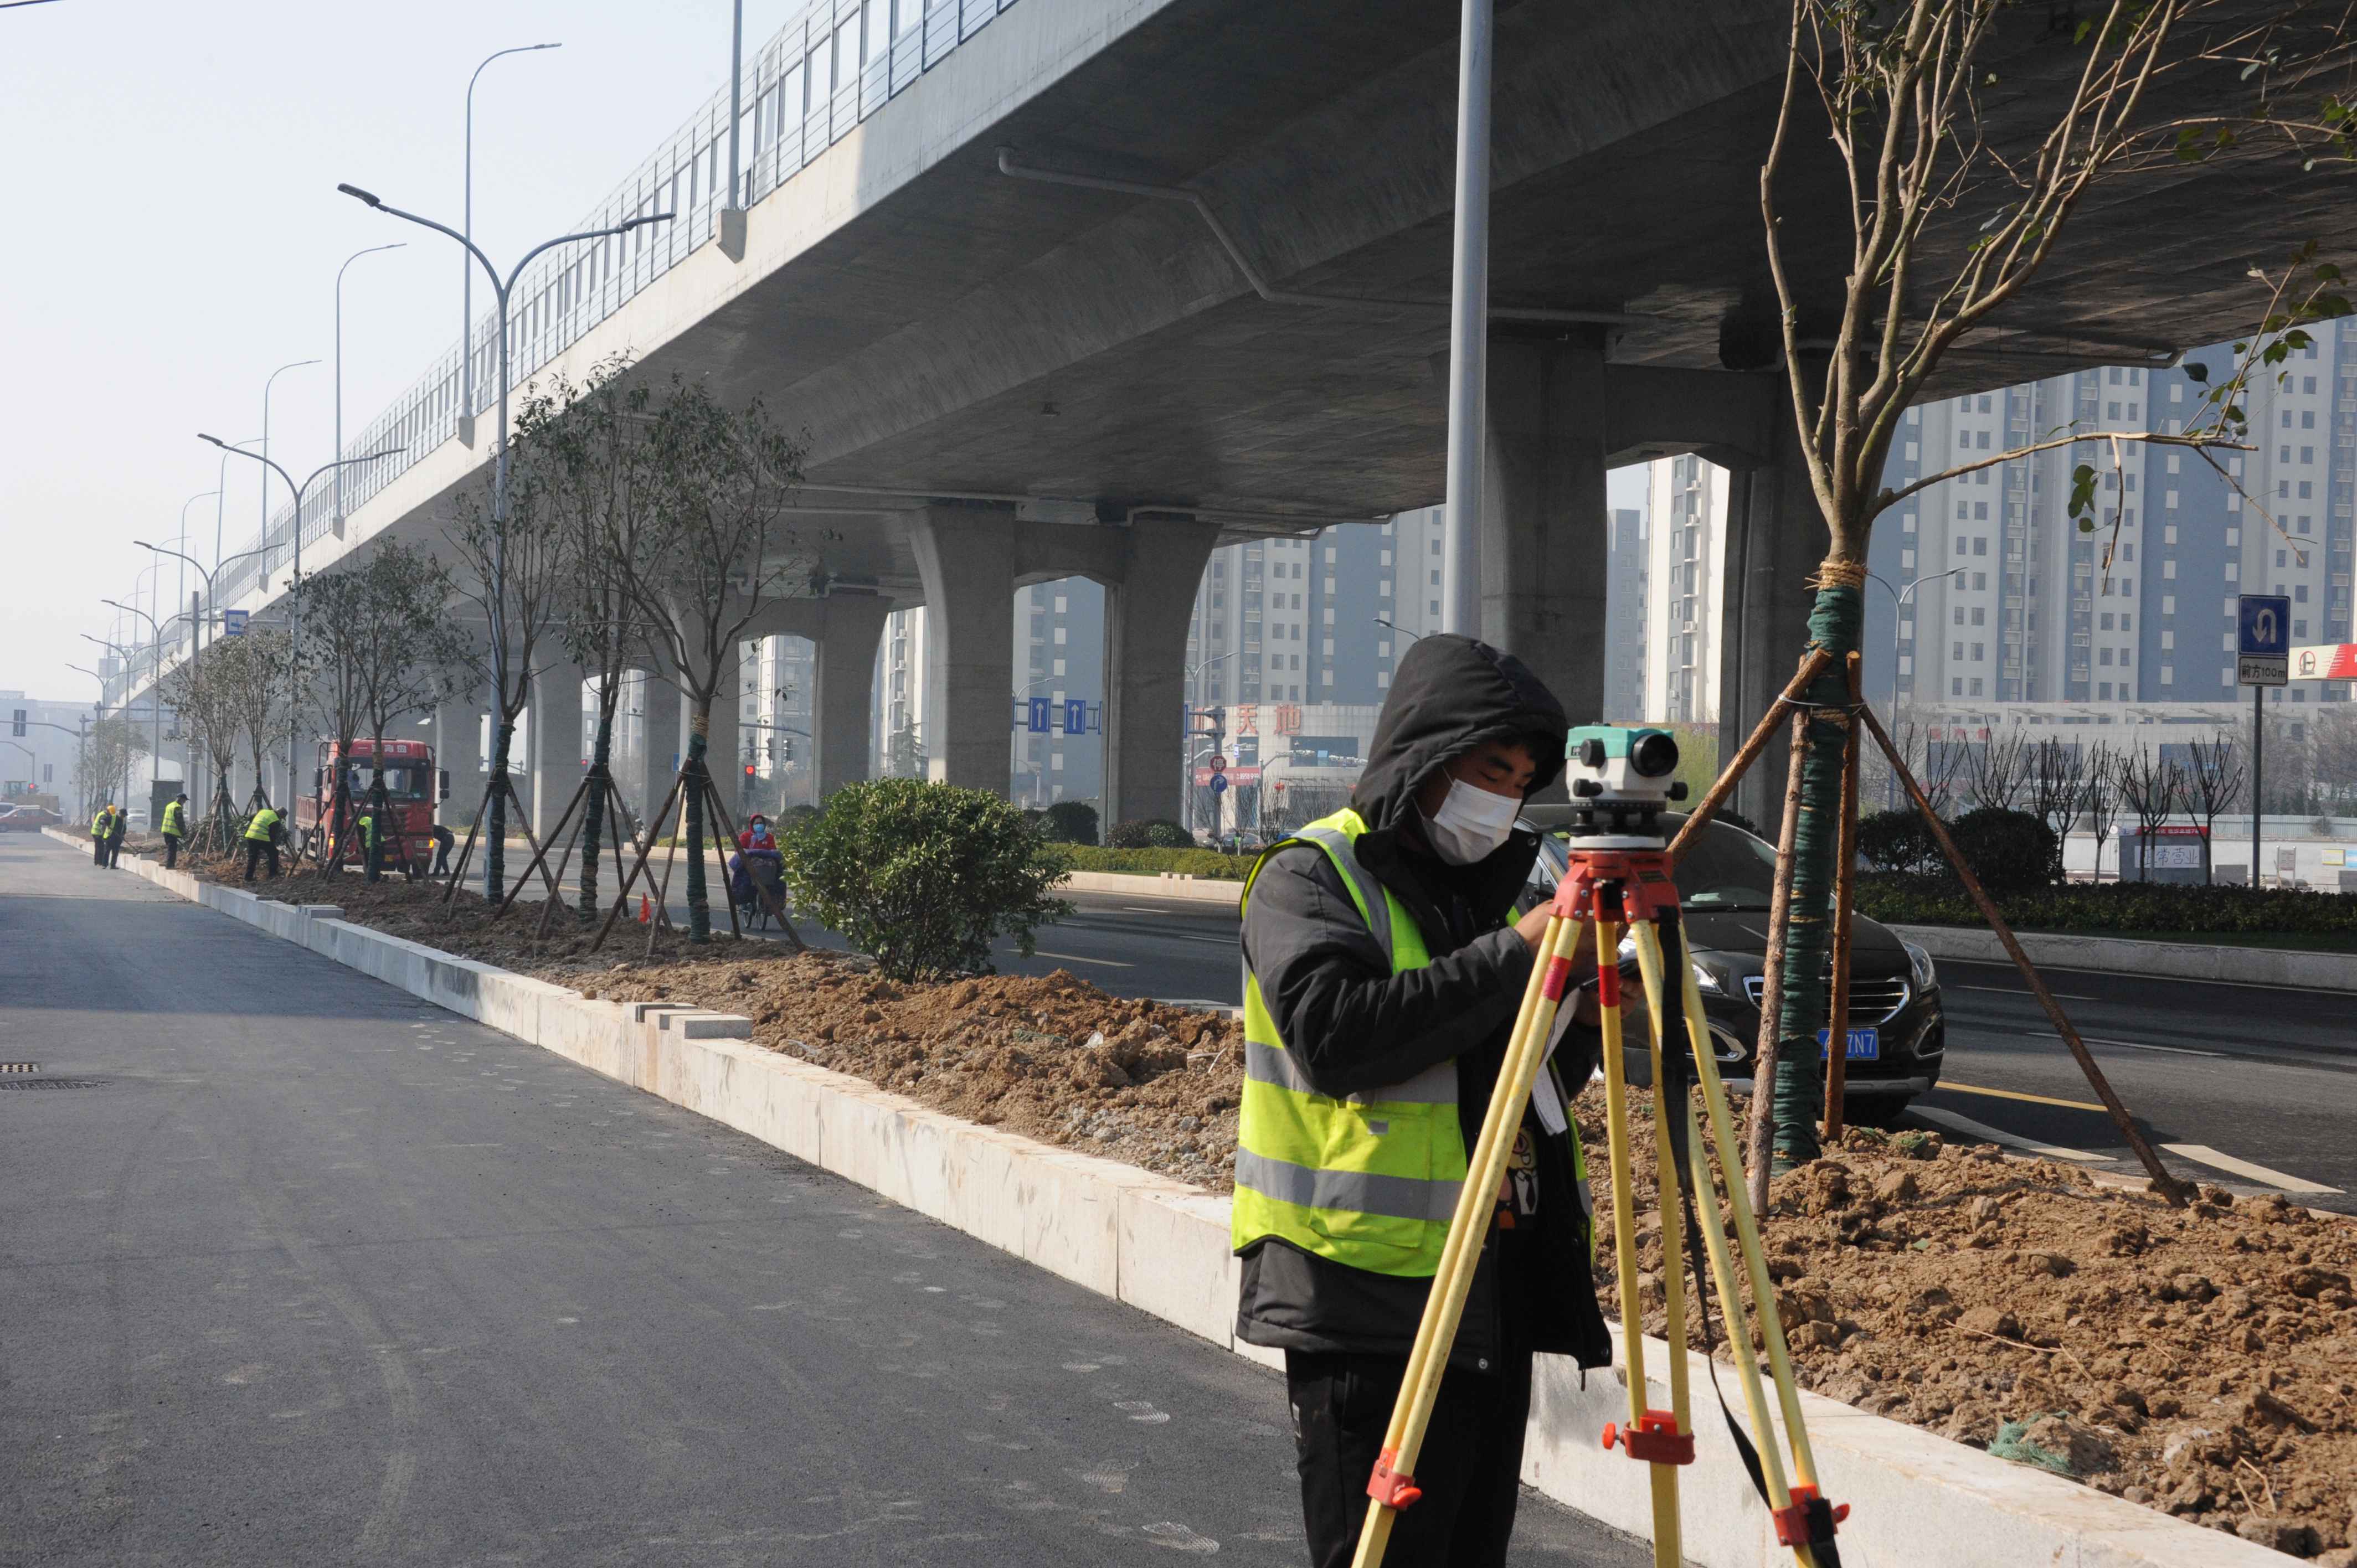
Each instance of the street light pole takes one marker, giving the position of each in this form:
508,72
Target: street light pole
1898,620
355,256
494,856
1468,321
295,614
154,696
264,438
221,489
466,274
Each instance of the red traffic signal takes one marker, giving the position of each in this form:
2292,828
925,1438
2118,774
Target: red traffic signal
748,770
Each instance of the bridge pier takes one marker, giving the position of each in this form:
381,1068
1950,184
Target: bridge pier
1146,663
659,737
965,558
1776,536
556,743
850,628
458,746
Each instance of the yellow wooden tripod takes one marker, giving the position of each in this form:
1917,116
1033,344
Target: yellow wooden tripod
1603,890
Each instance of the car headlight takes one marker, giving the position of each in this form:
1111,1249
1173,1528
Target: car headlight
1919,965
1706,979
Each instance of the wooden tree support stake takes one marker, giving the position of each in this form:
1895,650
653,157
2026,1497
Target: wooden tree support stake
1761,1139
580,794
646,850
1812,664
2167,1185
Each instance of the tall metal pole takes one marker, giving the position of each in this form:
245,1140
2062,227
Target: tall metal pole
1468,323
355,256
467,228
2258,749
736,98
263,537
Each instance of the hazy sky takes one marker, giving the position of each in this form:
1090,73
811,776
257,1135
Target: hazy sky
172,231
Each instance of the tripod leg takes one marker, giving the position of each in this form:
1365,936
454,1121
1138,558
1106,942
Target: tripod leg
1663,1478
1392,1486
1669,1099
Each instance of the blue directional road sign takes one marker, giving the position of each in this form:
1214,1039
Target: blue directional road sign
1076,715
233,623
2262,639
1218,783
1038,715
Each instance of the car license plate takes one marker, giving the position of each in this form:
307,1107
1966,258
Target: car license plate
1865,1044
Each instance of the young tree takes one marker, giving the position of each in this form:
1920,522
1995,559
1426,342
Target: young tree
404,650
1997,770
599,480
2214,779
105,753
516,562
1969,132
2150,788
262,678
2100,801
2058,781
199,690
338,616
712,549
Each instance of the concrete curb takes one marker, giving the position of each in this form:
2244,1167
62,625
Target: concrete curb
1169,885
2169,961
1920,1501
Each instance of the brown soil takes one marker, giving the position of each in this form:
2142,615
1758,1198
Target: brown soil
2200,1362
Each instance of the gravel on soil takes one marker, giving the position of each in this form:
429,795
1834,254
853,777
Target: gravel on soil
2201,1362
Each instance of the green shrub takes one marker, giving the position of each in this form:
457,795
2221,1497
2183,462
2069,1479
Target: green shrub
1204,862
1069,821
1897,842
2157,906
924,875
1158,832
2010,852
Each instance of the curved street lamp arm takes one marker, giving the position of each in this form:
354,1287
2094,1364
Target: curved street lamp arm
191,560
257,456
622,228
370,199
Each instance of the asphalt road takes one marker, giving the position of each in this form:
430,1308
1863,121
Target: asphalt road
296,1269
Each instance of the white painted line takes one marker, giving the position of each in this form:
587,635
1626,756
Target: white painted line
2137,1045
2017,991
2204,1154
1144,909
1075,958
1989,1135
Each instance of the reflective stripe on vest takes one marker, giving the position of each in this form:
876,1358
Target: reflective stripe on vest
1370,1180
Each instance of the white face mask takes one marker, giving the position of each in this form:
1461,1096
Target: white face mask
1471,823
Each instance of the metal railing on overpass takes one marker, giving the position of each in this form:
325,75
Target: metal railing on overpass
821,75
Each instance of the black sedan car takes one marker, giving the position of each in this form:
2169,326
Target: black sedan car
1897,1040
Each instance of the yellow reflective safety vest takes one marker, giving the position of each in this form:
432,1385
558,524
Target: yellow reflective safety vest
259,829
100,823
1370,1180
368,830
174,820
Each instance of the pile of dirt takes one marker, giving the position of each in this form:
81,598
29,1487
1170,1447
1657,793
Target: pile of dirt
2198,1362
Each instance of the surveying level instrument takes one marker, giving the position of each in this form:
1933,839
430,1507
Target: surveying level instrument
1618,881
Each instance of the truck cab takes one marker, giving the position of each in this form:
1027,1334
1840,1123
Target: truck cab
413,787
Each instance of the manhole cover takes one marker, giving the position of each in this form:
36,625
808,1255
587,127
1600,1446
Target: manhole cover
53,1083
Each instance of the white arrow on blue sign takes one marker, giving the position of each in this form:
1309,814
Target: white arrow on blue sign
2262,639
233,623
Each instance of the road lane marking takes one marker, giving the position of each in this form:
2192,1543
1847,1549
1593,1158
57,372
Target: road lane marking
1075,958
1989,1135
2136,1044
2017,1094
2204,1154
2016,991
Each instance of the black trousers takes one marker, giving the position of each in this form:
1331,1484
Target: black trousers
171,851
254,849
98,851
113,850
1470,1469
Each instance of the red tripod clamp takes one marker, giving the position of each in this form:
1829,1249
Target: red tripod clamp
1642,876
1390,1487
1808,1520
1655,1439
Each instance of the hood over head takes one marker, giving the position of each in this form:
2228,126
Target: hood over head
1449,695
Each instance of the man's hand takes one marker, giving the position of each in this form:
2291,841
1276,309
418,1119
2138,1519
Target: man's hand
1532,928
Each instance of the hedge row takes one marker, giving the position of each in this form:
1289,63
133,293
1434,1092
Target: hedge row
2115,906
1207,864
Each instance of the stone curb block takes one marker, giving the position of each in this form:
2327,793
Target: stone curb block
2168,960
1919,1501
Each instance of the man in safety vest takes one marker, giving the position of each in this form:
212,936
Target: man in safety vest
366,827
175,828
1384,966
100,827
261,839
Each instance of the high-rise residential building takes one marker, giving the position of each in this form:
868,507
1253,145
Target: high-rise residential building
1990,592
1628,571
1678,626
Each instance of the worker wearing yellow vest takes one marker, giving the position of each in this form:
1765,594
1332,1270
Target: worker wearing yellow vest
175,828
1382,967
366,828
102,828
261,839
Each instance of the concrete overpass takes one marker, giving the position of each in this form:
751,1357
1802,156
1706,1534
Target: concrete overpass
1084,286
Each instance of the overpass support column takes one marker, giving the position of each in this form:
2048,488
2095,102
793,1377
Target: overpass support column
723,753
842,706
458,746
659,734
1776,536
556,744
1542,524
1145,661
966,557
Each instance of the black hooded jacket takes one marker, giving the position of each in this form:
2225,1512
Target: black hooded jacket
1353,1025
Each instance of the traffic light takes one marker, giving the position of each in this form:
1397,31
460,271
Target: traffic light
748,770
18,723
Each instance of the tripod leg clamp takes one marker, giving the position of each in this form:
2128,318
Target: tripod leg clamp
1808,1520
1390,1487
1654,1438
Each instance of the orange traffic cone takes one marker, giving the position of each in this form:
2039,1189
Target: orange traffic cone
646,910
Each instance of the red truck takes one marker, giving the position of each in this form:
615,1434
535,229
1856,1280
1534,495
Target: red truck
412,784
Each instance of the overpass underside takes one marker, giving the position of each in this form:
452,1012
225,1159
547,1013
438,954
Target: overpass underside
1120,279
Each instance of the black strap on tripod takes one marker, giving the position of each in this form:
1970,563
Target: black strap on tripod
1675,1091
